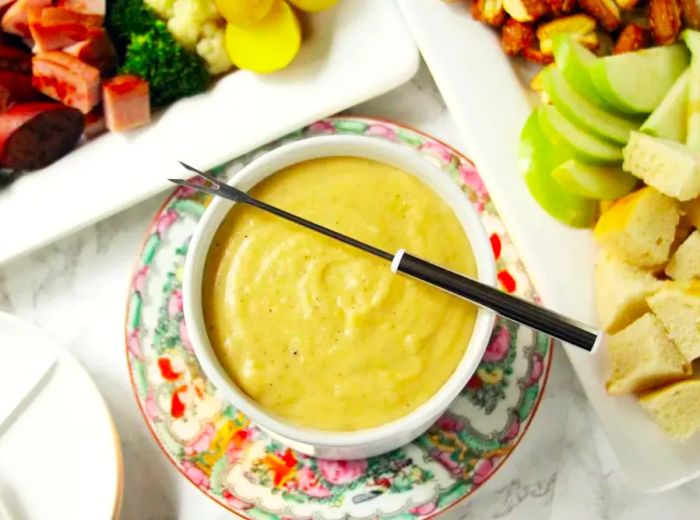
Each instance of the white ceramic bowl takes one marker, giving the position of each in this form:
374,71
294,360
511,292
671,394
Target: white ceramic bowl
325,444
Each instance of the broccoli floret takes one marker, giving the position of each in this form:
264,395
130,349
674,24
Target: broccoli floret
126,18
172,72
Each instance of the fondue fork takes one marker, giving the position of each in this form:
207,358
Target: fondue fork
512,307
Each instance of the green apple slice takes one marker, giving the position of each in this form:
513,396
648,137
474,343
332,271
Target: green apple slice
670,118
574,60
586,147
583,112
692,39
636,82
594,182
536,160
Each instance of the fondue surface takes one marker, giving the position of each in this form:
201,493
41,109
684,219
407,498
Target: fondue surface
323,335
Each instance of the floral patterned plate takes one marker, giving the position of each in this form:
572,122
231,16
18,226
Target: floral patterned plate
222,453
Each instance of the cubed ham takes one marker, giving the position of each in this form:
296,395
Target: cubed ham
53,28
97,51
126,103
94,122
19,87
65,78
5,101
82,6
33,135
16,18
15,59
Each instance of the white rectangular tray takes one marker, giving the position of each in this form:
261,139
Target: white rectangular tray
489,105
353,52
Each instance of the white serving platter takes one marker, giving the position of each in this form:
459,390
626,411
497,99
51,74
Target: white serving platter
352,52
489,104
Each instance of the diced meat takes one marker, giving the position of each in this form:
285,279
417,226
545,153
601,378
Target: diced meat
97,51
53,28
84,6
16,18
65,78
33,135
5,101
126,104
19,87
15,59
95,122
5,4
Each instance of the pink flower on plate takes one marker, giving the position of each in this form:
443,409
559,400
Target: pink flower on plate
165,220
139,281
133,343
471,178
321,127
483,471
443,458
424,509
450,423
175,303
384,131
341,472
234,501
310,485
151,406
195,474
537,369
438,150
513,429
185,338
202,441
499,345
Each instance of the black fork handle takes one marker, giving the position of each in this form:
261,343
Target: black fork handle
509,306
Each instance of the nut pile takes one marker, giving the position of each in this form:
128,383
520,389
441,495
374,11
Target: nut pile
528,26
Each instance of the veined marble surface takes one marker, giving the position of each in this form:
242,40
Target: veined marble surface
75,290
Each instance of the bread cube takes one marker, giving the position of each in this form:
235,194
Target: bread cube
675,408
685,262
678,308
691,212
670,167
643,357
640,227
621,291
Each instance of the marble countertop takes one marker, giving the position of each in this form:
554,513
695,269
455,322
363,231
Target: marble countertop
75,290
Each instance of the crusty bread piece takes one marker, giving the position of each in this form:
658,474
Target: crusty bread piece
675,408
677,306
691,211
640,227
621,291
643,357
685,262
670,167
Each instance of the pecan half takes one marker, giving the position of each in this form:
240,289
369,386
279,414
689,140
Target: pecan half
632,38
691,13
516,36
537,56
605,11
665,20
489,11
627,4
580,26
560,7
526,10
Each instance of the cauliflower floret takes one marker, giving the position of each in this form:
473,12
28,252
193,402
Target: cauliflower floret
212,50
163,8
188,18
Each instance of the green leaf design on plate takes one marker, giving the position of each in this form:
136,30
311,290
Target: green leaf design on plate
149,251
349,126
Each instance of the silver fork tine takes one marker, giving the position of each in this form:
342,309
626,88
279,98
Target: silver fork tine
206,175
198,187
